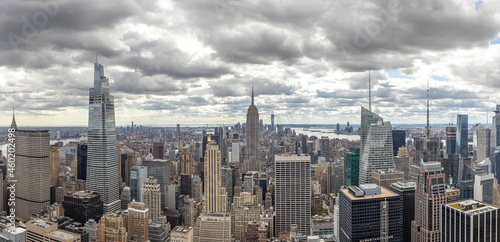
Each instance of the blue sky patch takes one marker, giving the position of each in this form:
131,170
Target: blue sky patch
396,74
438,78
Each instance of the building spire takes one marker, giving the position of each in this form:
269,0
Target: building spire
96,56
428,127
13,125
369,91
252,95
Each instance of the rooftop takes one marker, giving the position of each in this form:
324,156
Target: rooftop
62,234
384,193
472,207
41,223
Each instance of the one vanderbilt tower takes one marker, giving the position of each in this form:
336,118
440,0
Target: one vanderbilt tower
102,167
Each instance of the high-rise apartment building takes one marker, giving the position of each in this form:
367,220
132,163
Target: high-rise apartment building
369,213
102,167
112,228
151,197
138,175
462,134
159,150
32,160
252,142
137,222
377,153
406,190
213,179
430,194
470,220
293,192
451,140
351,167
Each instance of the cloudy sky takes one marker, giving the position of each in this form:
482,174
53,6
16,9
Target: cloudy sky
194,61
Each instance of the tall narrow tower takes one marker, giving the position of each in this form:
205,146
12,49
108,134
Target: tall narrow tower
213,179
102,167
252,161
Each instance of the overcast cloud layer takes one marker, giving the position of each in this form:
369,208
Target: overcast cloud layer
194,61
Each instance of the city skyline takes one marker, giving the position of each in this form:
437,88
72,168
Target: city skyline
194,62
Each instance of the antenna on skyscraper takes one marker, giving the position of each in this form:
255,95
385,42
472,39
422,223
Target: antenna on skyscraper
428,128
96,55
369,92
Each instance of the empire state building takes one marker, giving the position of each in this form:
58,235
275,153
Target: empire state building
252,161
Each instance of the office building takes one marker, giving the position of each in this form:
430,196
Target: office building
385,178
325,148
369,213
235,152
406,190
240,216
182,234
322,225
16,234
81,159
272,122
159,233
125,198
367,118
470,220
138,175
483,144
351,167
214,227
377,153
398,140
54,165
257,231
186,185
429,196
102,167
178,129
252,142
483,187
82,206
159,150
213,179
112,228
42,230
293,192
137,222
466,188
451,140
462,134
151,197
160,170
91,227
32,155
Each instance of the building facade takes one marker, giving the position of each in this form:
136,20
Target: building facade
252,142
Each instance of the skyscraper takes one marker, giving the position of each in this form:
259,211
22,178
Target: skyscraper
377,153
470,220
367,118
462,134
32,160
252,157
151,197
369,213
293,192
102,167
213,179
429,195
112,228
54,165
325,148
483,143
138,175
186,160
137,222
495,128
159,150
272,122
351,167
398,140
451,140
81,158
160,170
406,190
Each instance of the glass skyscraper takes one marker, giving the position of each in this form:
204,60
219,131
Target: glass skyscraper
102,166
462,134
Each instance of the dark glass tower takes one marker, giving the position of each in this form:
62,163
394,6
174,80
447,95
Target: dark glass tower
451,140
462,134
398,140
81,157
